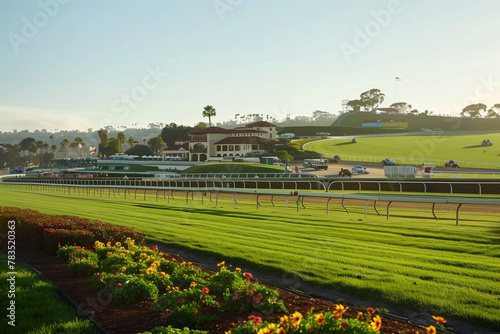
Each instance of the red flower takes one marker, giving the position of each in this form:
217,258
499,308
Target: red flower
344,324
181,301
248,275
371,310
168,312
256,320
205,291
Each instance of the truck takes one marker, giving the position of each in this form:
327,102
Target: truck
315,163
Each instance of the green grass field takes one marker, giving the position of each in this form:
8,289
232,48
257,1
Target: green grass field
423,264
38,307
233,167
404,148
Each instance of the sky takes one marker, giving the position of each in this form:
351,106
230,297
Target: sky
68,64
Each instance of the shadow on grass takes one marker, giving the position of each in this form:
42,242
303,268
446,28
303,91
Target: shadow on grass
475,146
346,143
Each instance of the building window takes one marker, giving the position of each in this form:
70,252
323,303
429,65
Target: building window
218,147
270,129
255,147
236,147
270,135
224,147
231,148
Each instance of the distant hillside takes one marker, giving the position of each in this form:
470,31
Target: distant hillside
417,122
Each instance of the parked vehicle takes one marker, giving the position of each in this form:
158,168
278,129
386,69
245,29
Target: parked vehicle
358,169
451,164
388,162
486,142
335,159
315,163
345,173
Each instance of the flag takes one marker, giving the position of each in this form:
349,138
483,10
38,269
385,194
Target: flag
398,79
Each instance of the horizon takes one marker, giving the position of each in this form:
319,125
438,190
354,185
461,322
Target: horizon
163,62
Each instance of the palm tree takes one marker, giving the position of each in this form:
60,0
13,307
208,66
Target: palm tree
209,111
130,141
64,147
78,142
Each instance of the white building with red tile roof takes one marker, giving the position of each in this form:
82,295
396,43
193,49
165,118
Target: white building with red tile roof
216,142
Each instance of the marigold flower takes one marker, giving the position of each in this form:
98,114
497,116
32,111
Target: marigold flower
150,271
439,319
271,326
124,269
248,275
431,330
344,324
339,309
168,312
376,323
192,285
221,263
370,310
118,244
296,317
238,270
284,320
280,330
205,291
320,319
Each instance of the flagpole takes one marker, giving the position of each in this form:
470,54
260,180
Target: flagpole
395,81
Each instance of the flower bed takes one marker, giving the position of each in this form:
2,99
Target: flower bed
49,231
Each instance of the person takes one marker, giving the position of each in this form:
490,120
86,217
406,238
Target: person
297,170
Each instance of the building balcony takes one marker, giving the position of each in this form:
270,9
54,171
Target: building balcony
198,150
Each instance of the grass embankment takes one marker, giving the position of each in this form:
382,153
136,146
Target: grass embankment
38,308
233,167
404,148
423,264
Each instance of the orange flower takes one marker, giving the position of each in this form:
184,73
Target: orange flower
376,323
221,263
431,330
320,319
205,291
284,320
439,319
149,271
280,330
339,309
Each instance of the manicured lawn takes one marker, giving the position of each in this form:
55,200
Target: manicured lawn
436,147
230,167
38,307
423,264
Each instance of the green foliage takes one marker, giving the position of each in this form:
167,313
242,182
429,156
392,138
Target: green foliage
139,150
82,261
124,288
172,330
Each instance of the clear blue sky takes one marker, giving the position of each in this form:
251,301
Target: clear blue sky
79,64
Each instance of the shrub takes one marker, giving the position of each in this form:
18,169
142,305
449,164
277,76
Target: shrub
124,288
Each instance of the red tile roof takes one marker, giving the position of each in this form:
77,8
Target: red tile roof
260,123
185,146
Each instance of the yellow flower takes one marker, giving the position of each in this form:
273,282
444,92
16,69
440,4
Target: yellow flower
339,309
132,252
108,244
296,317
164,274
431,330
183,263
439,319
284,320
193,284
124,269
281,330
155,264
238,270
271,326
221,263
122,254
376,323
168,288
144,255
150,270
320,319
118,244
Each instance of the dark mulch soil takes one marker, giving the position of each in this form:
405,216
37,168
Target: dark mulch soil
138,317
